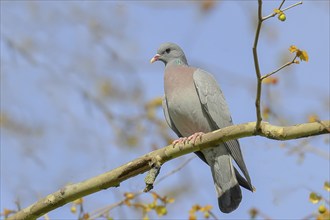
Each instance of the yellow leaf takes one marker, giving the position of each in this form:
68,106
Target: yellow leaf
106,88
78,201
132,140
3,119
192,216
304,56
314,198
293,49
85,216
155,195
265,113
152,205
313,118
129,195
270,80
277,11
170,200
127,202
253,213
324,216
206,5
147,208
195,208
146,217
161,210
7,212
156,102
206,214
327,186
206,208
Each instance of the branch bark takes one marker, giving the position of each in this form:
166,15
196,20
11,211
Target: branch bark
144,163
260,78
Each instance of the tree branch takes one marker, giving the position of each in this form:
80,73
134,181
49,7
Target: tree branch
283,66
256,65
256,59
144,163
279,8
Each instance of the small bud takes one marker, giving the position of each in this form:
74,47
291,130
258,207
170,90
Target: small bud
327,186
206,215
322,209
129,195
282,17
152,205
314,198
73,209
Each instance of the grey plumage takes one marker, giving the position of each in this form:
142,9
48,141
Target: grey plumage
193,102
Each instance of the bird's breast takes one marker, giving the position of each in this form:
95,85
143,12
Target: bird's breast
184,107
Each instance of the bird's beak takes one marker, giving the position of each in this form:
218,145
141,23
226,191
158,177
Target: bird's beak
155,58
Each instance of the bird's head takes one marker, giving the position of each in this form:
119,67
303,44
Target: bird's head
168,53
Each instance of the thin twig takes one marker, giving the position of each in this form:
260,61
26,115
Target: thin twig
305,146
175,170
213,215
279,8
282,3
275,71
100,212
294,5
257,68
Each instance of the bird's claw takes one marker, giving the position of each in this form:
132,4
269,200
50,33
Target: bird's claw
181,140
185,140
195,136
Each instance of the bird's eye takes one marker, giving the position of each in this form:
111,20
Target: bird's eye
168,50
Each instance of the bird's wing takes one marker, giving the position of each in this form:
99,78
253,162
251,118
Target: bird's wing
168,118
217,111
172,126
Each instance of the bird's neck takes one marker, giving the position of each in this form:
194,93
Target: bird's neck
177,62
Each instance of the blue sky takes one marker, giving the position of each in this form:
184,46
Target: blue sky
65,50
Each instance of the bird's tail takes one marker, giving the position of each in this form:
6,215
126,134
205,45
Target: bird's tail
225,182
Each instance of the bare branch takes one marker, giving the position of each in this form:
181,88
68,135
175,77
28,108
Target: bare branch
275,71
287,8
256,59
102,211
142,164
294,5
256,65
282,3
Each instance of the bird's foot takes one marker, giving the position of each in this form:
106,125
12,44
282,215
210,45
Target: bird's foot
191,138
195,136
181,140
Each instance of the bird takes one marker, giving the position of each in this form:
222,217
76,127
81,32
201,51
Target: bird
193,104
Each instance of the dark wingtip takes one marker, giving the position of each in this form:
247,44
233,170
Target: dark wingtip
230,200
244,183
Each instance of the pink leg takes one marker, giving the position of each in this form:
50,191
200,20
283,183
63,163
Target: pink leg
181,140
184,140
194,137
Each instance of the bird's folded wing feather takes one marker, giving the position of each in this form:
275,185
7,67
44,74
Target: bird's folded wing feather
216,109
168,118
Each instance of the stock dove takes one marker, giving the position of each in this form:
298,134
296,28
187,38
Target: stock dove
193,103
